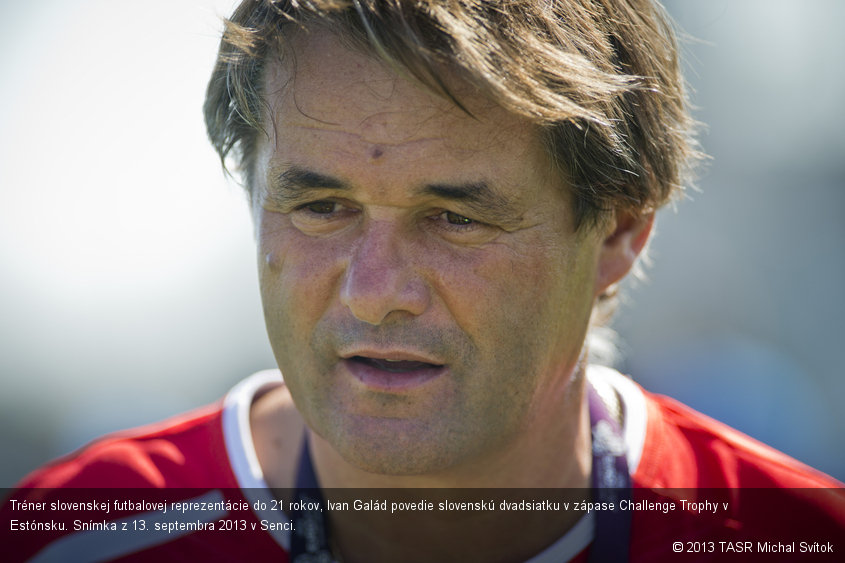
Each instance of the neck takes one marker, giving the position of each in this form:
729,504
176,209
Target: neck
551,452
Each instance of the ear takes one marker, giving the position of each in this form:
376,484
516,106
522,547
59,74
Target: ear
619,251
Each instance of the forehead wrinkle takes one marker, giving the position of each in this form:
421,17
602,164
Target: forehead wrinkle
426,120
389,117
409,141
396,125
433,117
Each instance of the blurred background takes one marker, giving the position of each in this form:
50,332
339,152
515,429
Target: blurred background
127,281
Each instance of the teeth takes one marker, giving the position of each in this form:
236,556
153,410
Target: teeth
392,361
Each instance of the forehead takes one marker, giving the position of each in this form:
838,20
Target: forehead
321,83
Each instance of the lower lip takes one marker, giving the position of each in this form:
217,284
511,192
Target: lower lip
382,380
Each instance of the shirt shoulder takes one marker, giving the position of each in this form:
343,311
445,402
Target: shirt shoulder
208,447
685,448
182,451
701,483
186,487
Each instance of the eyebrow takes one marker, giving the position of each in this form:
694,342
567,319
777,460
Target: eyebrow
296,179
294,183
480,197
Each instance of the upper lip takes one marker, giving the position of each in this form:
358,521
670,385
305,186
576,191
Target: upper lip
392,354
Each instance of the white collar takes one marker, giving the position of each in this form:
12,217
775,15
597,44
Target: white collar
244,459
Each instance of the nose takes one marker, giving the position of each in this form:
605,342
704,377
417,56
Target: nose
381,277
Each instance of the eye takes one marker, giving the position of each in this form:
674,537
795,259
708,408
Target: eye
321,207
462,229
455,219
322,217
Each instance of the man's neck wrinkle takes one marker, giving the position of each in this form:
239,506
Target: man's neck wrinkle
552,451
537,459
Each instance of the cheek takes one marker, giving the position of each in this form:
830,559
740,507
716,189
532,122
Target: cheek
498,280
297,274
517,300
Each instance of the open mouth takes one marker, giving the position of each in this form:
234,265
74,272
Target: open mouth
392,375
394,366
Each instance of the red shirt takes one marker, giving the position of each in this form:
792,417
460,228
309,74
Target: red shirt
698,484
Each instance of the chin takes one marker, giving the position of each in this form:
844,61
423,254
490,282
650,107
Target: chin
398,447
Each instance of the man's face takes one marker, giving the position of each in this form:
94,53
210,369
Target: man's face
425,292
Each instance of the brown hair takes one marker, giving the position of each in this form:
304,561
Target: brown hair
600,77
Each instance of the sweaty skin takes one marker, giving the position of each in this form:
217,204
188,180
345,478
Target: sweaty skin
394,227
